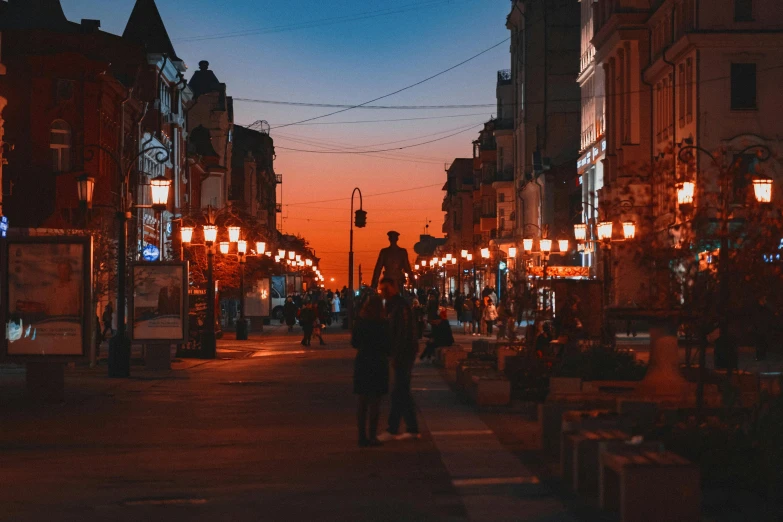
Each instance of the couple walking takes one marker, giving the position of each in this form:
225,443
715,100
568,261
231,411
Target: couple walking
381,334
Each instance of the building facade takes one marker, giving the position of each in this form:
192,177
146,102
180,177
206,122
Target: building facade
3,103
212,112
680,72
592,149
504,170
545,51
167,96
254,182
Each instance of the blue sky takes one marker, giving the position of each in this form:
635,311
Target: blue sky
349,62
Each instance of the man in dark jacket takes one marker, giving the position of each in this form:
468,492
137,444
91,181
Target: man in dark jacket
404,347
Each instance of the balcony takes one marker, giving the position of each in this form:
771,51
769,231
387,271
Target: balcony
586,59
278,178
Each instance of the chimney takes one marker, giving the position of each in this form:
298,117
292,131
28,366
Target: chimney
90,26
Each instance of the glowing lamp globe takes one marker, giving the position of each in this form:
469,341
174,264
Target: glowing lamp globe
448,257
580,232
527,244
453,260
210,234
186,234
563,244
260,247
470,257
309,262
224,247
605,230
242,247
629,230
512,252
546,245
685,193
762,188
485,253
233,234
85,187
291,255
160,192
464,254
281,254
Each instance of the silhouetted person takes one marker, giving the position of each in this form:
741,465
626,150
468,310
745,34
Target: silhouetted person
394,262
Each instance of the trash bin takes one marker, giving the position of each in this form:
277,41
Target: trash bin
243,328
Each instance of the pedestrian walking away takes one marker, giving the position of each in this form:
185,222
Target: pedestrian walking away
108,314
371,368
289,313
404,347
306,321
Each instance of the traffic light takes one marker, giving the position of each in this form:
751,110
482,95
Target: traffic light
361,219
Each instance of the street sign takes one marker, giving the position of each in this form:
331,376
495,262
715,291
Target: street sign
3,226
150,253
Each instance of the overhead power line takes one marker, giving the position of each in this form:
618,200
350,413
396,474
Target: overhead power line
366,196
441,73
364,106
378,150
389,120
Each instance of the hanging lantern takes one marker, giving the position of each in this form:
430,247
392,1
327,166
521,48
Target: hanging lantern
210,234
233,234
291,255
546,245
224,245
762,188
260,247
527,244
605,230
186,234
160,192
580,232
512,252
563,244
629,230
685,193
85,187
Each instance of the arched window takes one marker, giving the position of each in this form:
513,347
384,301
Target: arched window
60,145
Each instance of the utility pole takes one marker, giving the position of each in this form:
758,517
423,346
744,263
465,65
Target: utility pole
360,275
360,217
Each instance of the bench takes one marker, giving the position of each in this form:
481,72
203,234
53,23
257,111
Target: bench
579,458
490,390
649,486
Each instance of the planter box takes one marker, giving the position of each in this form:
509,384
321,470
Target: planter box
560,385
450,357
490,391
503,353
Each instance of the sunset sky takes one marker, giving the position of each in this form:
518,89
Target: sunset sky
346,52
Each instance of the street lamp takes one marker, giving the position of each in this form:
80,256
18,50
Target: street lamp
563,244
512,252
527,244
629,230
580,232
685,192
233,234
605,230
186,234
210,235
261,248
85,186
464,254
485,253
762,188
291,255
159,186
242,329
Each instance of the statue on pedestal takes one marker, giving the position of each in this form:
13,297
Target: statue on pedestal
394,262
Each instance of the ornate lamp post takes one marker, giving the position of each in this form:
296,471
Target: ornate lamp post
119,345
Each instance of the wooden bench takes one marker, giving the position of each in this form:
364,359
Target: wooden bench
580,458
649,486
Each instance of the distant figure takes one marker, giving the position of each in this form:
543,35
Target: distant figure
441,336
393,261
335,302
108,315
289,313
404,347
306,321
371,367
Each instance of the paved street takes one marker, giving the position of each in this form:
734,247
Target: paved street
266,432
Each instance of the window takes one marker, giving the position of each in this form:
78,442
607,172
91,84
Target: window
502,212
501,162
689,89
682,94
502,197
60,145
743,86
743,10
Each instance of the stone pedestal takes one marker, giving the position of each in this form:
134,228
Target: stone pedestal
158,357
46,381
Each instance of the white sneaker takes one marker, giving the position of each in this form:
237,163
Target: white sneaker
407,436
386,436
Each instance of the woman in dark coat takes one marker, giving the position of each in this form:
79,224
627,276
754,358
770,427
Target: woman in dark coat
289,313
371,367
